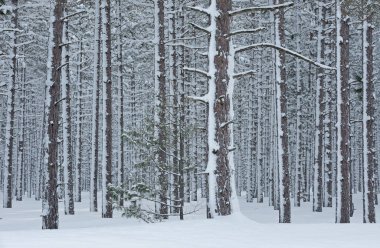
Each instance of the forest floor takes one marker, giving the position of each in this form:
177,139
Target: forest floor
255,227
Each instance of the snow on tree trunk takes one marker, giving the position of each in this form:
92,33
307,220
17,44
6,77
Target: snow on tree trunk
10,125
343,113
298,179
21,146
66,122
94,168
50,197
282,120
368,123
78,142
120,159
220,113
160,109
107,110
176,110
319,112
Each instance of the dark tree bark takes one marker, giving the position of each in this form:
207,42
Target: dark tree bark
96,108
8,165
368,118
282,119
50,197
66,120
107,102
222,107
343,126
121,104
160,111
320,105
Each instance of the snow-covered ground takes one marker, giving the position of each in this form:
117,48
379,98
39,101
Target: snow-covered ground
255,227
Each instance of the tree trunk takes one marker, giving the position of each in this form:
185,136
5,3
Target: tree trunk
282,120
368,123
9,129
94,170
343,115
107,111
320,108
66,122
50,197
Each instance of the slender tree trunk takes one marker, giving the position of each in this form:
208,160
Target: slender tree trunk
107,111
368,123
120,159
78,151
282,120
160,111
320,108
94,169
9,129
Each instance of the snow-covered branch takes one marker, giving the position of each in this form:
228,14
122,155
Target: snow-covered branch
199,98
73,14
243,74
199,27
11,30
288,51
5,9
196,70
199,9
261,8
247,31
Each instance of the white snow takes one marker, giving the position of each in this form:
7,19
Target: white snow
20,228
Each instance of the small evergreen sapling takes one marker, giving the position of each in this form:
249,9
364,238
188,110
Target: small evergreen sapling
132,201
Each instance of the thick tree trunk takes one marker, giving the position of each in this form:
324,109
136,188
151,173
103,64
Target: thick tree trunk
221,108
50,197
66,122
343,116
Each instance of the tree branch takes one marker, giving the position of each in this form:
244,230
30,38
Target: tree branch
291,52
246,31
199,27
261,8
197,71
